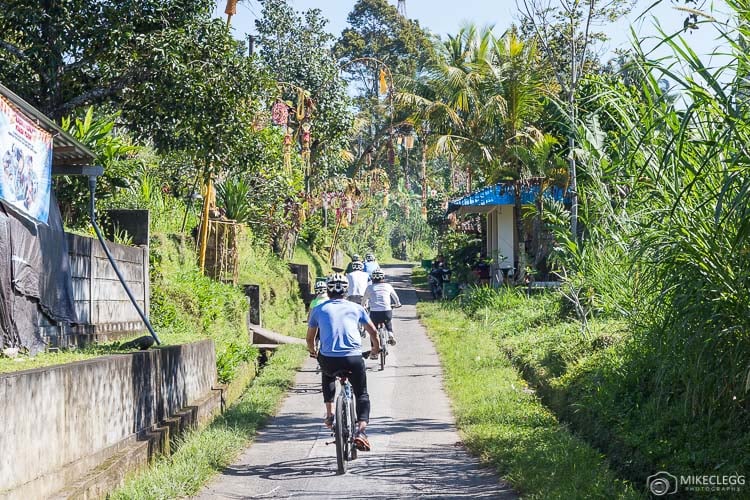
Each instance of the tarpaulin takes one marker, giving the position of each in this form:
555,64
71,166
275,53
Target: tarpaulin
34,275
56,284
503,193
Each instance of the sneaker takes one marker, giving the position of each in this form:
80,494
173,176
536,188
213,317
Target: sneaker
361,442
391,339
328,422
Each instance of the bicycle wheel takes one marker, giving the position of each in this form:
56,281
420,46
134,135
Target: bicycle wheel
352,429
383,347
341,424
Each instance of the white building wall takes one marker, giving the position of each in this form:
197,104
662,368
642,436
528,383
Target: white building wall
500,239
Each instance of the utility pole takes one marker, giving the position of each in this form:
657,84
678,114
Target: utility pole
402,7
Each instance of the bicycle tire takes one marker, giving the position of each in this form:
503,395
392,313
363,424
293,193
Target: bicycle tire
383,338
340,420
352,430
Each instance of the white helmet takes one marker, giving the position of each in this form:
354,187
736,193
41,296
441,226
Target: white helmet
369,257
357,265
320,287
378,275
337,284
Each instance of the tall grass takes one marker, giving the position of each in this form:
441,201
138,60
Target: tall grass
680,185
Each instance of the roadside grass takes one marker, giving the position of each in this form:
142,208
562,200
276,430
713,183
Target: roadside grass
203,453
317,264
604,384
504,422
44,359
419,276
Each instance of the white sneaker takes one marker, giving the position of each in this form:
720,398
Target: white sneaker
391,339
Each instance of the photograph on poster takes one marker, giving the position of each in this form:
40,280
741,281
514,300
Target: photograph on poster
26,158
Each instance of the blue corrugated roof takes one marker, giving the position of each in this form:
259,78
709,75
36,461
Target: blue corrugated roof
503,193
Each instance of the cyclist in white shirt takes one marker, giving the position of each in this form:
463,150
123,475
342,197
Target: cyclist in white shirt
358,281
382,299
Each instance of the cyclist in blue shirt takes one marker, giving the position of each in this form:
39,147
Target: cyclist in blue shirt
336,320
371,264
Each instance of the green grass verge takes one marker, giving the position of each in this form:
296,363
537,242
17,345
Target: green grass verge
317,264
44,359
419,276
203,453
504,422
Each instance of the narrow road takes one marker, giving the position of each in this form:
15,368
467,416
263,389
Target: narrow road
417,452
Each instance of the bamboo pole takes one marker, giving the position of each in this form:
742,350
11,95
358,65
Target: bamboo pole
204,225
424,180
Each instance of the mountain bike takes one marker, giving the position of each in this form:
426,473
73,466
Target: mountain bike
344,422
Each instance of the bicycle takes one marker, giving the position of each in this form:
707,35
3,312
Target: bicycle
344,422
383,338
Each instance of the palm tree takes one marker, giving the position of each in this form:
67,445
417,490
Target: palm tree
480,98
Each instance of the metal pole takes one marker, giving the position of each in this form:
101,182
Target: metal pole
92,214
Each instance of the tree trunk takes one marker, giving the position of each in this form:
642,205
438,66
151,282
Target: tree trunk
424,180
520,247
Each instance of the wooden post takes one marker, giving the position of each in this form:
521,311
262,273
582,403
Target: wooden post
204,224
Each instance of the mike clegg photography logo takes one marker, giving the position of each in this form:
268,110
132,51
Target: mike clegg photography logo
663,483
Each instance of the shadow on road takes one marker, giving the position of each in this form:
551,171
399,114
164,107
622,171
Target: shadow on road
439,473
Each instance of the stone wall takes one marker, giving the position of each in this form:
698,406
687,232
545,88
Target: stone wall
60,422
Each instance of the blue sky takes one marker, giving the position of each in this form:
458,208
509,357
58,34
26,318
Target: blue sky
444,16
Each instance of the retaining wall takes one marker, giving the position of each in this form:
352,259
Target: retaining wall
60,422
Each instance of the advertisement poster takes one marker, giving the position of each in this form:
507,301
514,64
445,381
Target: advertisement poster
26,157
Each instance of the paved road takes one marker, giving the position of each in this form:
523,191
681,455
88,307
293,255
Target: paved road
416,450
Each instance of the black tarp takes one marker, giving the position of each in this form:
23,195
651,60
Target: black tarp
35,277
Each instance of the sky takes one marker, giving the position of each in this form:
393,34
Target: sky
446,16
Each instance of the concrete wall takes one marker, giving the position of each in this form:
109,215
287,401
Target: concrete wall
101,303
59,422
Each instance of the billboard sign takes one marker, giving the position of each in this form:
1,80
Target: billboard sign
25,163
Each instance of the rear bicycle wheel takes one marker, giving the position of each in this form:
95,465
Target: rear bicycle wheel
352,429
383,347
341,424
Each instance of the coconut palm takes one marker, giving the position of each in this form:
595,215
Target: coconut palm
480,99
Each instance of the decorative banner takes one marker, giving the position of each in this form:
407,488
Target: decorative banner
26,156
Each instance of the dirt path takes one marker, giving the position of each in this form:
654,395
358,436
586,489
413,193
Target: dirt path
416,449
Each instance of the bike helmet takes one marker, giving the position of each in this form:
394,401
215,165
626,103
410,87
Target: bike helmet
337,284
320,287
357,266
378,275
356,258
369,257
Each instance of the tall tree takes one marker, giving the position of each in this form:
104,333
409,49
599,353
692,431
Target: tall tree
565,31
297,50
60,55
481,96
379,47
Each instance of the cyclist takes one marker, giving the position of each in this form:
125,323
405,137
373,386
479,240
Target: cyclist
321,295
340,349
355,258
382,299
370,263
358,281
